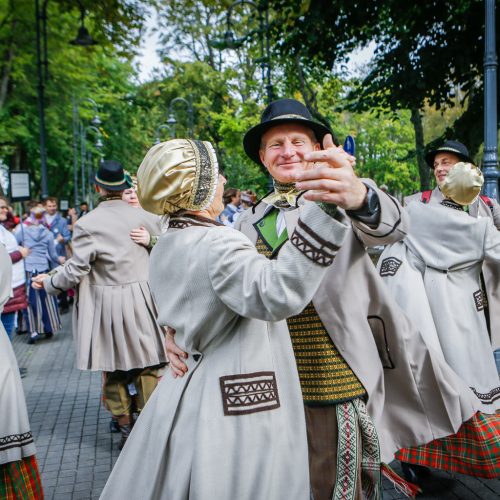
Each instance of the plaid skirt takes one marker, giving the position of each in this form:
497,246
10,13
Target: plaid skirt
20,480
474,450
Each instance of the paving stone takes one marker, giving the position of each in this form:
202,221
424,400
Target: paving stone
81,495
64,488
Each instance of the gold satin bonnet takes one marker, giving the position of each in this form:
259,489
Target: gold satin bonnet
180,174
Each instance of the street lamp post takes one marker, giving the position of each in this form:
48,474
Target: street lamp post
490,158
158,132
43,76
231,42
77,138
87,158
171,115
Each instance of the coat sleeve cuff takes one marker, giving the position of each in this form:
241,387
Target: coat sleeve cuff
49,287
318,235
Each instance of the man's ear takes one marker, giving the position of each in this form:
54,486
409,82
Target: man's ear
317,147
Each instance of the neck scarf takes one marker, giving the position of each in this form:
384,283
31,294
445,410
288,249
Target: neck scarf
285,196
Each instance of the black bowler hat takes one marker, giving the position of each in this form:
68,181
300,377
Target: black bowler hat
111,176
277,113
455,147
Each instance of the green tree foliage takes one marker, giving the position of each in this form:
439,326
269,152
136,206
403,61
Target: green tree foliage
309,40
427,54
102,72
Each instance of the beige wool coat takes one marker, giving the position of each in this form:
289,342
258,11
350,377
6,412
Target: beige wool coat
233,428
491,270
434,275
114,316
413,396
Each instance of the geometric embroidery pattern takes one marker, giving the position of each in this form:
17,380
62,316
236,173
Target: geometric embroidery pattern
489,397
479,299
347,452
356,436
15,441
249,393
314,247
390,266
370,457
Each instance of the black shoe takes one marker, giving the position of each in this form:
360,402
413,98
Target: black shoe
33,339
23,371
415,473
113,426
49,335
64,310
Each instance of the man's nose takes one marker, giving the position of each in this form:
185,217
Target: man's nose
288,149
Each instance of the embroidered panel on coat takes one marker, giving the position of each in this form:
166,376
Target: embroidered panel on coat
325,377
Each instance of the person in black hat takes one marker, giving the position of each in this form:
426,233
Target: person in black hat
441,160
344,378
114,313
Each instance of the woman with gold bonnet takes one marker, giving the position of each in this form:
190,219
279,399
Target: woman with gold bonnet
434,274
233,426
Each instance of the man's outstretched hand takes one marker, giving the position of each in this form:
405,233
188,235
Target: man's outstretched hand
332,178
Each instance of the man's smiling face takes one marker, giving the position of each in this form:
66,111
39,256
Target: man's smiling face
443,162
282,150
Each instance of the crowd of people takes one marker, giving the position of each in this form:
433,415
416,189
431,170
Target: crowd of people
291,367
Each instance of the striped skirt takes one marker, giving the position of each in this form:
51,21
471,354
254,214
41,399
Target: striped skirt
20,480
42,315
473,450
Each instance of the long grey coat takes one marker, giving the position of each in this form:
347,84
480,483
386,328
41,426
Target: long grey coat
233,427
16,440
491,271
414,397
114,316
435,277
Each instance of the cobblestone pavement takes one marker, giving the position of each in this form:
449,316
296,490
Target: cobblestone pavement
76,451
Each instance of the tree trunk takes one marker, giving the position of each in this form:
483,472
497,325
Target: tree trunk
309,94
423,168
6,69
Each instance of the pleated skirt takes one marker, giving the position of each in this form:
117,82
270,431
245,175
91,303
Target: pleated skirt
473,450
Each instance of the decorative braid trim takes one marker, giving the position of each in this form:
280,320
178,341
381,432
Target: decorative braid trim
490,397
313,246
187,220
452,204
15,441
207,175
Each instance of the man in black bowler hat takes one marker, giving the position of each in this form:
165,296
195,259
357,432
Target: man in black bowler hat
441,160
114,318
295,150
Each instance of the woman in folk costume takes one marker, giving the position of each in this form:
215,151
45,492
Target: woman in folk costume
434,275
233,427
19,477
42,313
